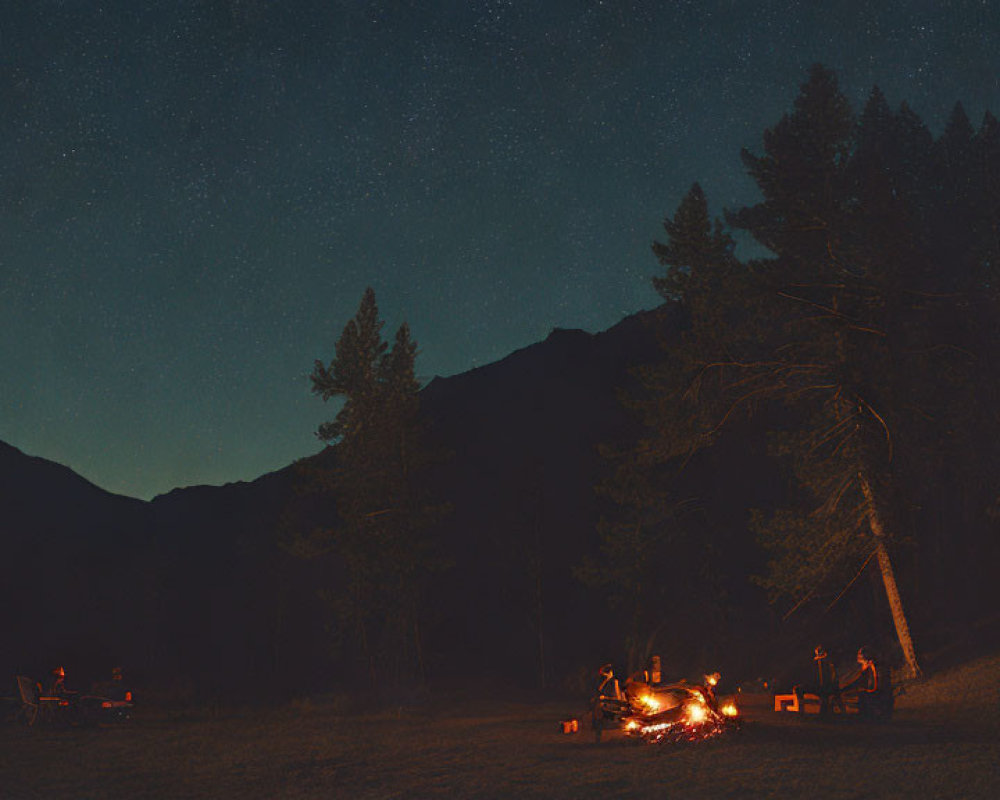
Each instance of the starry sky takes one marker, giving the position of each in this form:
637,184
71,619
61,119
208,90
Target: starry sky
194,194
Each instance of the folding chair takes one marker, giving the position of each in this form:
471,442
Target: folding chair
34,706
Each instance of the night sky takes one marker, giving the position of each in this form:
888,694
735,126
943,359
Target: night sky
194,195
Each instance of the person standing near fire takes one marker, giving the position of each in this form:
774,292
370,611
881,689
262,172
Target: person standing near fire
708,690
824,684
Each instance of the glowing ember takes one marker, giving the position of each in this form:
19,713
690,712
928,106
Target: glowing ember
650,703
680,713
696,713
674,732
659,728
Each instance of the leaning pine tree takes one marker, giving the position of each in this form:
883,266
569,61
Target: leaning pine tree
817,332
839,315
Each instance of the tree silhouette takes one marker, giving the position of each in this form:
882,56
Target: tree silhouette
860,334
651,524
380,535
836,321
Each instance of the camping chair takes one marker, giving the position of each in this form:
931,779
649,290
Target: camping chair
35,706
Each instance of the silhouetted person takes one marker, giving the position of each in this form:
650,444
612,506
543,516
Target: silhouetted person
708,690
608,705
117,689
607,683
113,689
824,684
872,687
67,707
57,687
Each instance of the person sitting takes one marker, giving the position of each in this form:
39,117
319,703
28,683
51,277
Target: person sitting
57,686
117,690
607,683
871,686
62,701
824,684
113,689
608,705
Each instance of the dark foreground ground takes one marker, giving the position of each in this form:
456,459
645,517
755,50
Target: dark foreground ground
944,742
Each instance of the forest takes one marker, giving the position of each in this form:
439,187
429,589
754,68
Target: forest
857,355
797,445
864,343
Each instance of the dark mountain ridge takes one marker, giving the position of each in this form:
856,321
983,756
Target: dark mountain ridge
193,581
194,589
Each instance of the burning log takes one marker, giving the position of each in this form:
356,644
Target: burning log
655,712
680,713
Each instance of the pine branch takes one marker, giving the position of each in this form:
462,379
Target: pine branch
851,582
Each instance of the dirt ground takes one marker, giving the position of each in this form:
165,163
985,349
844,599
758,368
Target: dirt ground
944,741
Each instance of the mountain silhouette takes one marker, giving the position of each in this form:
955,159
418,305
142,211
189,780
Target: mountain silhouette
193,583
193,589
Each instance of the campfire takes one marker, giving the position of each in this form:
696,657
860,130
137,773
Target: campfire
679,712
652,711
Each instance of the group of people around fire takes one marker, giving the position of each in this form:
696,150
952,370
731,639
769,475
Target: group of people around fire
868,686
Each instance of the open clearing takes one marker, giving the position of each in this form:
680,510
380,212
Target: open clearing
943,742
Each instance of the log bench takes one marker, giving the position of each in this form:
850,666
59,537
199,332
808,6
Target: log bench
810,703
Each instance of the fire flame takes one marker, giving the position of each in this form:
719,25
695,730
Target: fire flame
697,718
696,713
651,704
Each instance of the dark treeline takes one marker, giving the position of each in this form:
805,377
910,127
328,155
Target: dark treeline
865,345
792,448
817,426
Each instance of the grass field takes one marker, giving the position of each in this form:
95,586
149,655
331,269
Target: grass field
943,742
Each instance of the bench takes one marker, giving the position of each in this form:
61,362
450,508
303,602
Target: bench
790,702
810,704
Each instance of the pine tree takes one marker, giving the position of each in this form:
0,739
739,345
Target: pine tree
381,532
809,332
868,337
649,526
353,374
837,284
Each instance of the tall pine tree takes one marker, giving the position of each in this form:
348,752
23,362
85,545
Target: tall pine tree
837,331
380,535
825,333
654,528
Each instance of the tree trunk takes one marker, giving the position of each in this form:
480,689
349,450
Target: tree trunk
418,644
540,618
359,610
889,579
